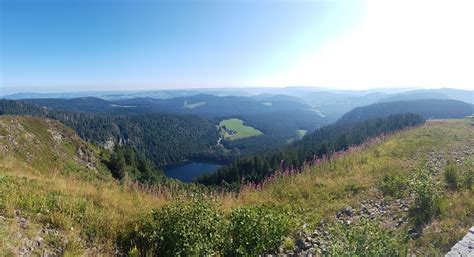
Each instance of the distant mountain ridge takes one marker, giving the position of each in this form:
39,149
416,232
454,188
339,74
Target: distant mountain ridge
443,93
428,108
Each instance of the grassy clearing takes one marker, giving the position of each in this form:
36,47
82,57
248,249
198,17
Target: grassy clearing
193,105
234,129
300,133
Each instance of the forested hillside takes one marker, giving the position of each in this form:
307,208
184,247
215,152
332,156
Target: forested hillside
278,117
162,138
428,108
323,141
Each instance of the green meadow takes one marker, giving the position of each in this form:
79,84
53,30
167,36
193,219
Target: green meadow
234,129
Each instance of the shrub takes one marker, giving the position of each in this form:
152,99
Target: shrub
256,230
188,228
469,177
365,239
451,176
426,193
393,185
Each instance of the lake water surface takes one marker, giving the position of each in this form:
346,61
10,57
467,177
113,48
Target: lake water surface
188,171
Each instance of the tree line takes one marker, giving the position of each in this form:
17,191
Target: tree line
323,141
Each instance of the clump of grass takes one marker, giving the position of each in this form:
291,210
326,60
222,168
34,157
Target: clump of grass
468,176
452,178
394,185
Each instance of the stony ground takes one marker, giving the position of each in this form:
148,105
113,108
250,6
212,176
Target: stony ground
465,247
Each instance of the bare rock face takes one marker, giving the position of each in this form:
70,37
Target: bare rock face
465,247
109,144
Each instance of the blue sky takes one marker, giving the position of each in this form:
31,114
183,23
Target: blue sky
104,44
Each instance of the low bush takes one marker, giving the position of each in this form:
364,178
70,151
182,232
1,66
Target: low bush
254,231
394,185
366,238
187,228
426,193
198,228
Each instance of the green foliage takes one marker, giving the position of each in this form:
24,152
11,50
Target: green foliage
365,239
393,184
198,227
256,230
162,138
136,239
126,163
452,177
468,176
187,228
427,202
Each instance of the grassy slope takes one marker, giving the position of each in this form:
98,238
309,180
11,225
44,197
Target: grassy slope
54,189
241,130
86,203
319,192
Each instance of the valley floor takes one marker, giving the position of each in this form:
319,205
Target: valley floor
46,210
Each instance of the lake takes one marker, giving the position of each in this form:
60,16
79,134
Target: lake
188,171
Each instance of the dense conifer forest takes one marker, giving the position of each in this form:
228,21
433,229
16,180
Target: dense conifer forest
162,138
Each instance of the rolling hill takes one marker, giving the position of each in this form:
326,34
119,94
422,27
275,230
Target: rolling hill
428,108
442,93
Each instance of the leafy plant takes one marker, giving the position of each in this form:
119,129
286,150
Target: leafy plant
187,228
393,185
427,202
365,239
256,230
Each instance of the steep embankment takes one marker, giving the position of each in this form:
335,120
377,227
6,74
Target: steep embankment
55,195
54,199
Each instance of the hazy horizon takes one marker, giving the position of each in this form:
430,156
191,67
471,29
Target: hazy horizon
269,89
